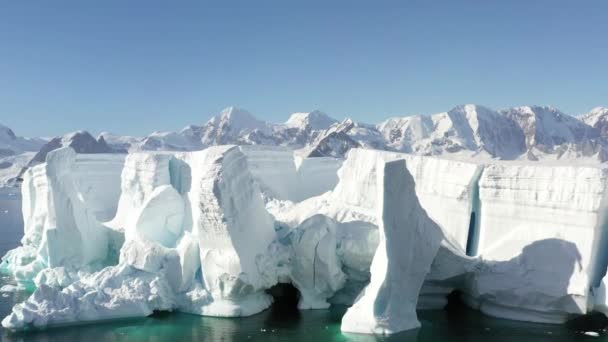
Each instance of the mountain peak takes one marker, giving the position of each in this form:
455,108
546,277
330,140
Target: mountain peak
315,120
6,132
237,119
596,115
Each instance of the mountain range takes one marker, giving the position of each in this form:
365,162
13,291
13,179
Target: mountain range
467,131
528,132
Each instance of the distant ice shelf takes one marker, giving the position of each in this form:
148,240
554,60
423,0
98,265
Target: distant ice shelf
110,236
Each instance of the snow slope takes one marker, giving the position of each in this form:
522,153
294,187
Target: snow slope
598,119
11,144
469,127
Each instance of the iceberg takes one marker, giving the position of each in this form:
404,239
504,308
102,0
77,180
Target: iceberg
211,232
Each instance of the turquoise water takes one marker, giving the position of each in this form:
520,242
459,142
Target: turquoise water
282,322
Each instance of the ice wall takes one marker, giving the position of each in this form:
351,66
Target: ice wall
317,175
541,231
63,201
409,240
446,190
141,174
97,178
284,176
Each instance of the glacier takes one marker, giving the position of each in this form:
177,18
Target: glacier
209,232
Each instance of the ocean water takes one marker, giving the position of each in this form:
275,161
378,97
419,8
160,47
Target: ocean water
282,322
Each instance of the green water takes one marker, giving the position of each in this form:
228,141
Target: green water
280,323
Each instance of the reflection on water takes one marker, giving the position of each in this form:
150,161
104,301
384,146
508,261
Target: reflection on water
311,325
280,323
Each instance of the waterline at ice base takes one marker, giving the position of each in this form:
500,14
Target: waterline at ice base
109,236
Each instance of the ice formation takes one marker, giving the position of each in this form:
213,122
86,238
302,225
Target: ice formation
209,232
533,218
409,241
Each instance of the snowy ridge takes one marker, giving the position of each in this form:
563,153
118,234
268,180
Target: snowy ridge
314,120
470,131
598,119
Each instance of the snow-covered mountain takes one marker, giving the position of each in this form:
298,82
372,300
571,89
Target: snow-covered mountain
11,144
80,141
231,126
467,131
598,119
238,126
12,168
15,153
314,120
119,142
464,128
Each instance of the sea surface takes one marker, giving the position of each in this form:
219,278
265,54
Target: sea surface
280,323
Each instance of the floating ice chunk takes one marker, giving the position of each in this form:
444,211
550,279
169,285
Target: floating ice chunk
115,292
153,258
409,241
23,263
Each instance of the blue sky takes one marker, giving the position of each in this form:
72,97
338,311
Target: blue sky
132,67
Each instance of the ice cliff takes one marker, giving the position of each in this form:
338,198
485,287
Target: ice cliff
210,232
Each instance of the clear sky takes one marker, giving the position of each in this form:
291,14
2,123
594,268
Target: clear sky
132,67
